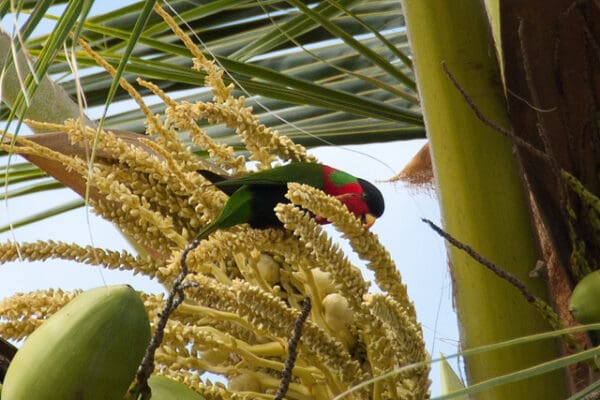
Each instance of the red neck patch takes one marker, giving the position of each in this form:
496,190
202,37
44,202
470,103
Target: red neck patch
336,182
346,188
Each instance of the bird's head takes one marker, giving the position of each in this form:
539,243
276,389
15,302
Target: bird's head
374,201
361,197
366,203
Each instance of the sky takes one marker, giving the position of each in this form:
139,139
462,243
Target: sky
419,254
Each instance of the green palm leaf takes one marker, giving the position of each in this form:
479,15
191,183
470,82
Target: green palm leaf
322,73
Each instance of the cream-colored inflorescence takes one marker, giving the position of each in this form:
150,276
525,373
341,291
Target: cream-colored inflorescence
248,284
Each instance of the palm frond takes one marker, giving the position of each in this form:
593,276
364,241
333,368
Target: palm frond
319,72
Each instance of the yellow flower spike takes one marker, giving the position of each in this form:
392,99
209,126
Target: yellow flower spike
225,352
406,343
139,232
138,159
123,151
343,274
155,196
42,126
156,224
223,244
22,313
238,320
204,195
393,341
151,120
103,182
262,142
269,317
161,198
224,156
213,78
146,225
363,242
168,136
408,335
44,250
246,125
169,102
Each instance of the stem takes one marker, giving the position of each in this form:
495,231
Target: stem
482,197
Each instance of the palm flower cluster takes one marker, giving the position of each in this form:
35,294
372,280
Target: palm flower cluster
248,284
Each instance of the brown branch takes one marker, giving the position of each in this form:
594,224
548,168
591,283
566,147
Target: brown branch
286,375
175,298
507,276
486,121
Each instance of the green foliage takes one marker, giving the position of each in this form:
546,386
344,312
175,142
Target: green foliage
336,74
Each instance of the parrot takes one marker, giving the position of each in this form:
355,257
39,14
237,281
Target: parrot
254,196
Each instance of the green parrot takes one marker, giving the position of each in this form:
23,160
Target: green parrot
254,196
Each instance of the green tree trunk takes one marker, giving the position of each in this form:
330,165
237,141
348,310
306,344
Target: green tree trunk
481,194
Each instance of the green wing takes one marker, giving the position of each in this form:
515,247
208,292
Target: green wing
308,173
237,210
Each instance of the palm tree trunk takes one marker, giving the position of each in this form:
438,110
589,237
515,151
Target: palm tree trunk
481,193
